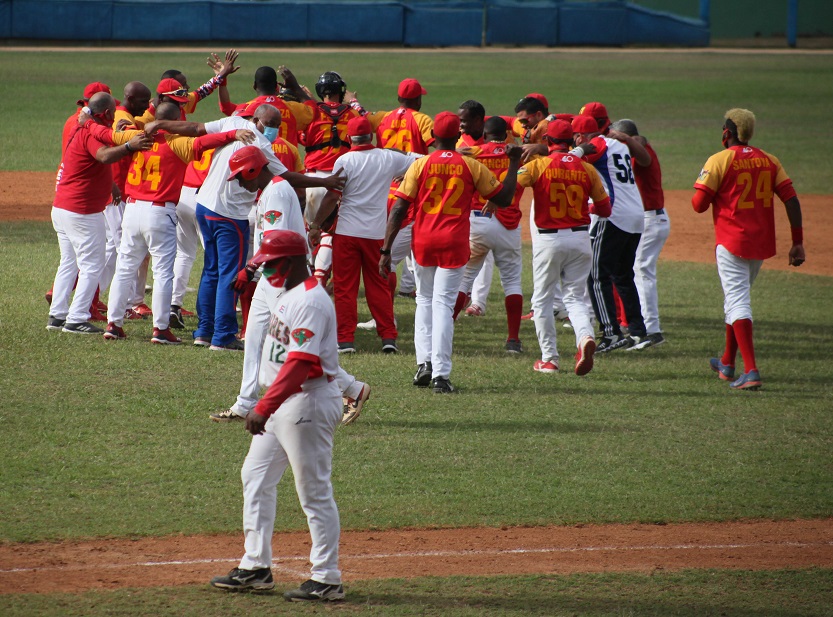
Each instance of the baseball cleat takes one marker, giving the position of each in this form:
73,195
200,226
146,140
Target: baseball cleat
367,325
165,337
513,345
96,315
201,342
175,319
441,385
422,379
226,416
346,348
143,309
114,332
584,356
747,381
656,339
724,371
389,346
131,314
612,343
475,310
545,366
353,406
55,324
233,345
639,342
81,328
313,591
245,580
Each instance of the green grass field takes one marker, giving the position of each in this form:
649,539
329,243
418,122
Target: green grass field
113,439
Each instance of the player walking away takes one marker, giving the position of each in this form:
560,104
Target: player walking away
440,187
83,188
739,183
153,186
277,209
656,232
293,424
614,238
561,253
360,231
496,231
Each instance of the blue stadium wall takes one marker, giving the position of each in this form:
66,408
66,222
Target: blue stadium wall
410,22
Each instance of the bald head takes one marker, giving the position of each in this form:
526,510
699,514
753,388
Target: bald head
101,102
136,98
168,111
268,116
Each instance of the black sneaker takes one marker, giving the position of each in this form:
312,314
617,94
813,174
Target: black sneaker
389,346
612,343
233,345
245,580
441,385
176,321
422,379
346,348
313,591
82,328
55,324
513,345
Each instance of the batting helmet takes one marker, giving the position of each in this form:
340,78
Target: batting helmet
279,243
330,83
248,161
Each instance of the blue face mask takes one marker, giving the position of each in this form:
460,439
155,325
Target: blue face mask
270,133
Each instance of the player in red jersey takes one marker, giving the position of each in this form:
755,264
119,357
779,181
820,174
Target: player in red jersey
739,183
439,187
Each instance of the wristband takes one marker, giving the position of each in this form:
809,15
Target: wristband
797,234
127,145
384,252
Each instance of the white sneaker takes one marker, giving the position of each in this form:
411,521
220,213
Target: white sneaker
367,325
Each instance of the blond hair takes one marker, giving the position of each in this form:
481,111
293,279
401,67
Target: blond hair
745,122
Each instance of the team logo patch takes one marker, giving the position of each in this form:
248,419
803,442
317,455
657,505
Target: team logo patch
446,154
567,159
302,335
272,216
703,175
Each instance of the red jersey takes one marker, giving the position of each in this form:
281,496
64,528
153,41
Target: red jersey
406,130
324,144
122,166
288,154
295,117
649,182
561,184
439,188
493,155
83,184
68,126
197,170
741,182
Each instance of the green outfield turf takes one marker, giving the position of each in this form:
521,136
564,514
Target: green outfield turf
677,99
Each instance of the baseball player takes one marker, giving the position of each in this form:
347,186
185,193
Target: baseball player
440,187
498,232
360,231
153,185
83,188
739,184
277,208
614,238
656,232
562,184
292,425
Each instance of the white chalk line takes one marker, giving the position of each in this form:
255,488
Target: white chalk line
417,554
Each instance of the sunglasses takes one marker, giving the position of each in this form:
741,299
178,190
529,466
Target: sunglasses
180,92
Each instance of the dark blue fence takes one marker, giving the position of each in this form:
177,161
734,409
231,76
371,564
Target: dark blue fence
409,22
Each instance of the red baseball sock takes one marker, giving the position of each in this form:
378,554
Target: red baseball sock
462,298
514,307
743,334
731,347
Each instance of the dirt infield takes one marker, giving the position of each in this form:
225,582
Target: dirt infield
28,196
190,560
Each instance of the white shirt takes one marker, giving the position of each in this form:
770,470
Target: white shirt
302,324
278,208
363,212
627,212
226,198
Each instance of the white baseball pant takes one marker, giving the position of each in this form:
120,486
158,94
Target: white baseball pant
145,228
112,214
82,239
315,195
564,257
657,229
736,277
488,237
188,236
437,290
299,434
256,328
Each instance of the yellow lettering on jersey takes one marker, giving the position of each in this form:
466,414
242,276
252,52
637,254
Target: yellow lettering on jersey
445,169
754,163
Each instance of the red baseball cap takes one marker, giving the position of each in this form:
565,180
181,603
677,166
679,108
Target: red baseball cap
559,129
585,124
247,110
565,117
411,89
538,97
248,161
359,126
171,88
597,111
93,88
446,125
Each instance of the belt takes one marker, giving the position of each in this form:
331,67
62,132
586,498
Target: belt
487,215
555,231
159,204
659,212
